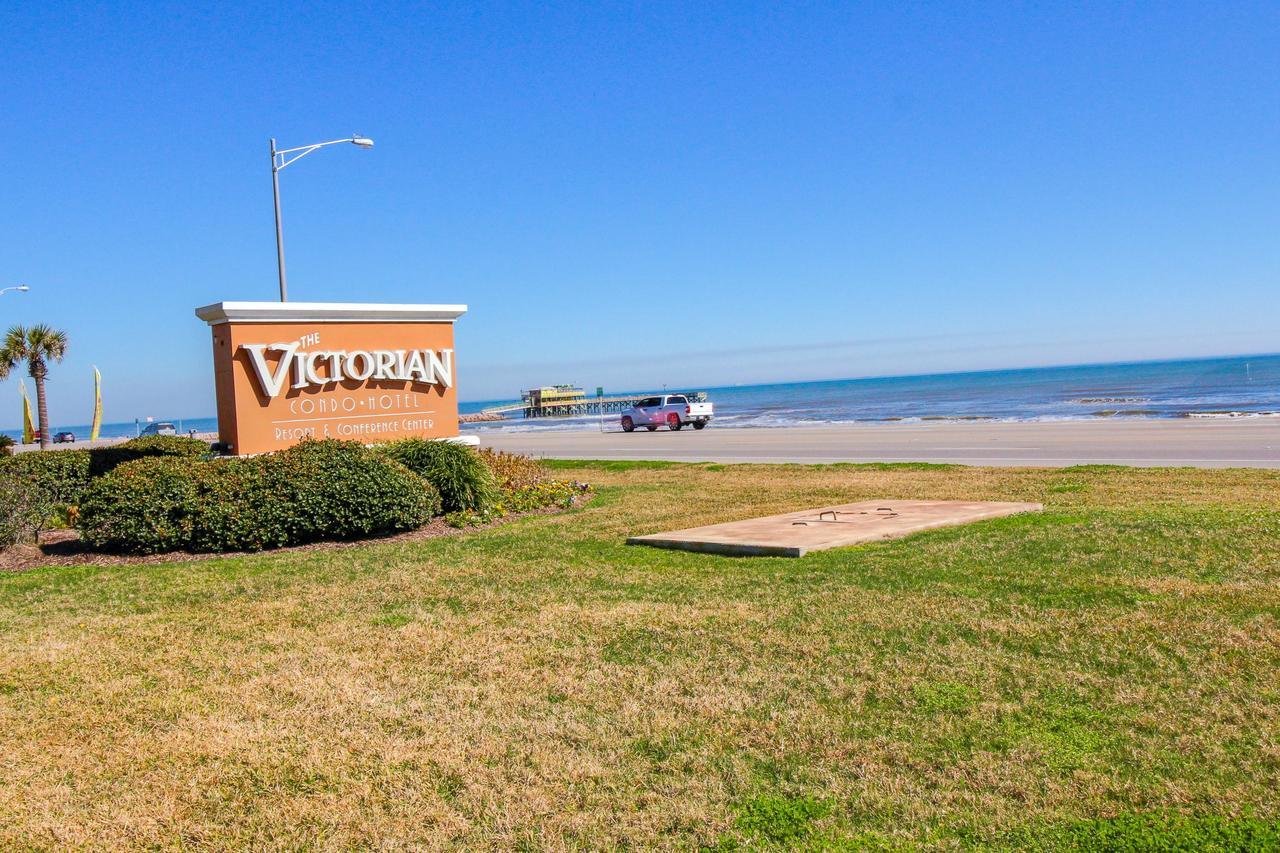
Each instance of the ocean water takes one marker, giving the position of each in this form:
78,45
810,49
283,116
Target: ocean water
125,430
1202,388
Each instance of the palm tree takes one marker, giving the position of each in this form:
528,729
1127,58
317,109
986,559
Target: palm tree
37,346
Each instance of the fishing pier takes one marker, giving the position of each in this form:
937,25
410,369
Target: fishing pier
561,401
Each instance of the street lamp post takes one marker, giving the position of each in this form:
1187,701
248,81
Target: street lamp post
21,288
279,159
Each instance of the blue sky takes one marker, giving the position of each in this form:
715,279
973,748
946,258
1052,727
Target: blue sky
644,194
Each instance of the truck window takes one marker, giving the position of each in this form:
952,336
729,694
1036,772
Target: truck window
677,400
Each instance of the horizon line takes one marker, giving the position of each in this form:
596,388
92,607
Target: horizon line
1023,368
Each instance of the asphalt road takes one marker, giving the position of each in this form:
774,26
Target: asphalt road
1244,442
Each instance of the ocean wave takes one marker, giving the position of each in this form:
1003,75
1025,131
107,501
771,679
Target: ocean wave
1227,414
1097,401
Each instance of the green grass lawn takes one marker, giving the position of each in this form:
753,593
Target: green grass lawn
1103,673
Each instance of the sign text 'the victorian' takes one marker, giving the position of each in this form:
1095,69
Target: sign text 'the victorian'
328,367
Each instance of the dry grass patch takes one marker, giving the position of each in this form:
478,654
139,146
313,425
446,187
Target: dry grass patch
1107,666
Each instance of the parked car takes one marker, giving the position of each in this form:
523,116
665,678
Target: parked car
64,437
670,410
160,428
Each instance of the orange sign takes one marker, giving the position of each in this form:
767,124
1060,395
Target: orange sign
285,371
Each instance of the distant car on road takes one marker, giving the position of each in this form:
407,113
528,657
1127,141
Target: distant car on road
64,437
670,410
160,428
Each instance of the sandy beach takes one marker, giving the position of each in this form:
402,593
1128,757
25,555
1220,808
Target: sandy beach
1246,442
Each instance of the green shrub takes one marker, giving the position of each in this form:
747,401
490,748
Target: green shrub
239,510
6,445
166,445
144,506
60,474
24,509
314,491
104,459
457,471
64,474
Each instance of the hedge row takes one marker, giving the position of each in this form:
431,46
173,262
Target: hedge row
103,459
59,474
63,475
316,490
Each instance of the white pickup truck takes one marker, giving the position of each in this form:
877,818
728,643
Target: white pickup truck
670,410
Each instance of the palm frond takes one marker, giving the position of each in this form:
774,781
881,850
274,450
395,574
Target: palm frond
47,342
13,350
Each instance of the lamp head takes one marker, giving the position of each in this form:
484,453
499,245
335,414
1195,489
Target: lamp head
22,288
362,141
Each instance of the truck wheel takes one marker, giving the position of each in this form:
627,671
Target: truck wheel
673,422
699,424
628,425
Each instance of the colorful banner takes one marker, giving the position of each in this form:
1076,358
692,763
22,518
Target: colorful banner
97,405
28,429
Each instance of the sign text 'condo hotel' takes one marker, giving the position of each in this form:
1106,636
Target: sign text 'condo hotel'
286,371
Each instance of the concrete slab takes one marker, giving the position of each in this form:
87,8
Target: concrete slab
793,534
